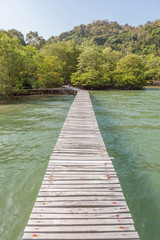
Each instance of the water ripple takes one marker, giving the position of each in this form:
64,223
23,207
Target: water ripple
130,125
29,129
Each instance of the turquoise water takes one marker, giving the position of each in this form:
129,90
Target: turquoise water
130,125
29,129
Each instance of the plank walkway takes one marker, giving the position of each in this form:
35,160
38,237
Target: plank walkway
80,196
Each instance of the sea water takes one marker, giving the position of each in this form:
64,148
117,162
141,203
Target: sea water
29,129
129,122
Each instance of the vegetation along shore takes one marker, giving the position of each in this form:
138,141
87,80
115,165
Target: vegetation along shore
99,55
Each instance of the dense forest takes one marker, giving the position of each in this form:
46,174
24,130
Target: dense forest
99,55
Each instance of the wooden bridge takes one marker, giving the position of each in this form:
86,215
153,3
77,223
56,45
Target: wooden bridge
80,196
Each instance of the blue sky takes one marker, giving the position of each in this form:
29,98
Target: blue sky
52,17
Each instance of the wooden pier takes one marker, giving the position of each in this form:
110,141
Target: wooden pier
46,91
80,197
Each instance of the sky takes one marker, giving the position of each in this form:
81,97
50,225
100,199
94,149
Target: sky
52,17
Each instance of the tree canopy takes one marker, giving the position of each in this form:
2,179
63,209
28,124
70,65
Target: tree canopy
127,39
129,73
92,70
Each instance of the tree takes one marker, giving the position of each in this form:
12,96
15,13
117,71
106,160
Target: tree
17,34
40,70
111,58
152,72
92,71
66,54
18,66
129,73
48,72
32,60
34,39
24,67
12,65
6,89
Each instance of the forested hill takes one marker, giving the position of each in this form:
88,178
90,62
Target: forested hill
99,55
143,39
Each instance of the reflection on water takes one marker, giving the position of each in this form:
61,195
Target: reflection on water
130,125
28,132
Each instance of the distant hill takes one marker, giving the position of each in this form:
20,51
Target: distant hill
143,39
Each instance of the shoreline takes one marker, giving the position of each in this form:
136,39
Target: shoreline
55,91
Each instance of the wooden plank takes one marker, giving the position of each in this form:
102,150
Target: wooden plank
81,236
79,198
84,163
82,189
72,222
79,203
79,210
80,186
80,181
87,174
81,168
106,216
90,160
79,228
77,178
77,193
80,157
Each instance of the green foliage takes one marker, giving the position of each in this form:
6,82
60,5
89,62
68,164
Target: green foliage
92,71
11,65
129,73
98,55
152,72
17,34
32,60
66,54
24,67
127,39
31,57
111,59
48,72
6,89
35,40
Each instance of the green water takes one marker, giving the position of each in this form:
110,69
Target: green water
130,125
28,132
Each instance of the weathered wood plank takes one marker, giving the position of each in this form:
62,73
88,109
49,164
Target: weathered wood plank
78,193
81,190
79,228
74,177
79,198
81,168
106,216
84,210
79,203
84,163
81,236
91,174
104,186
72,222
80,181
